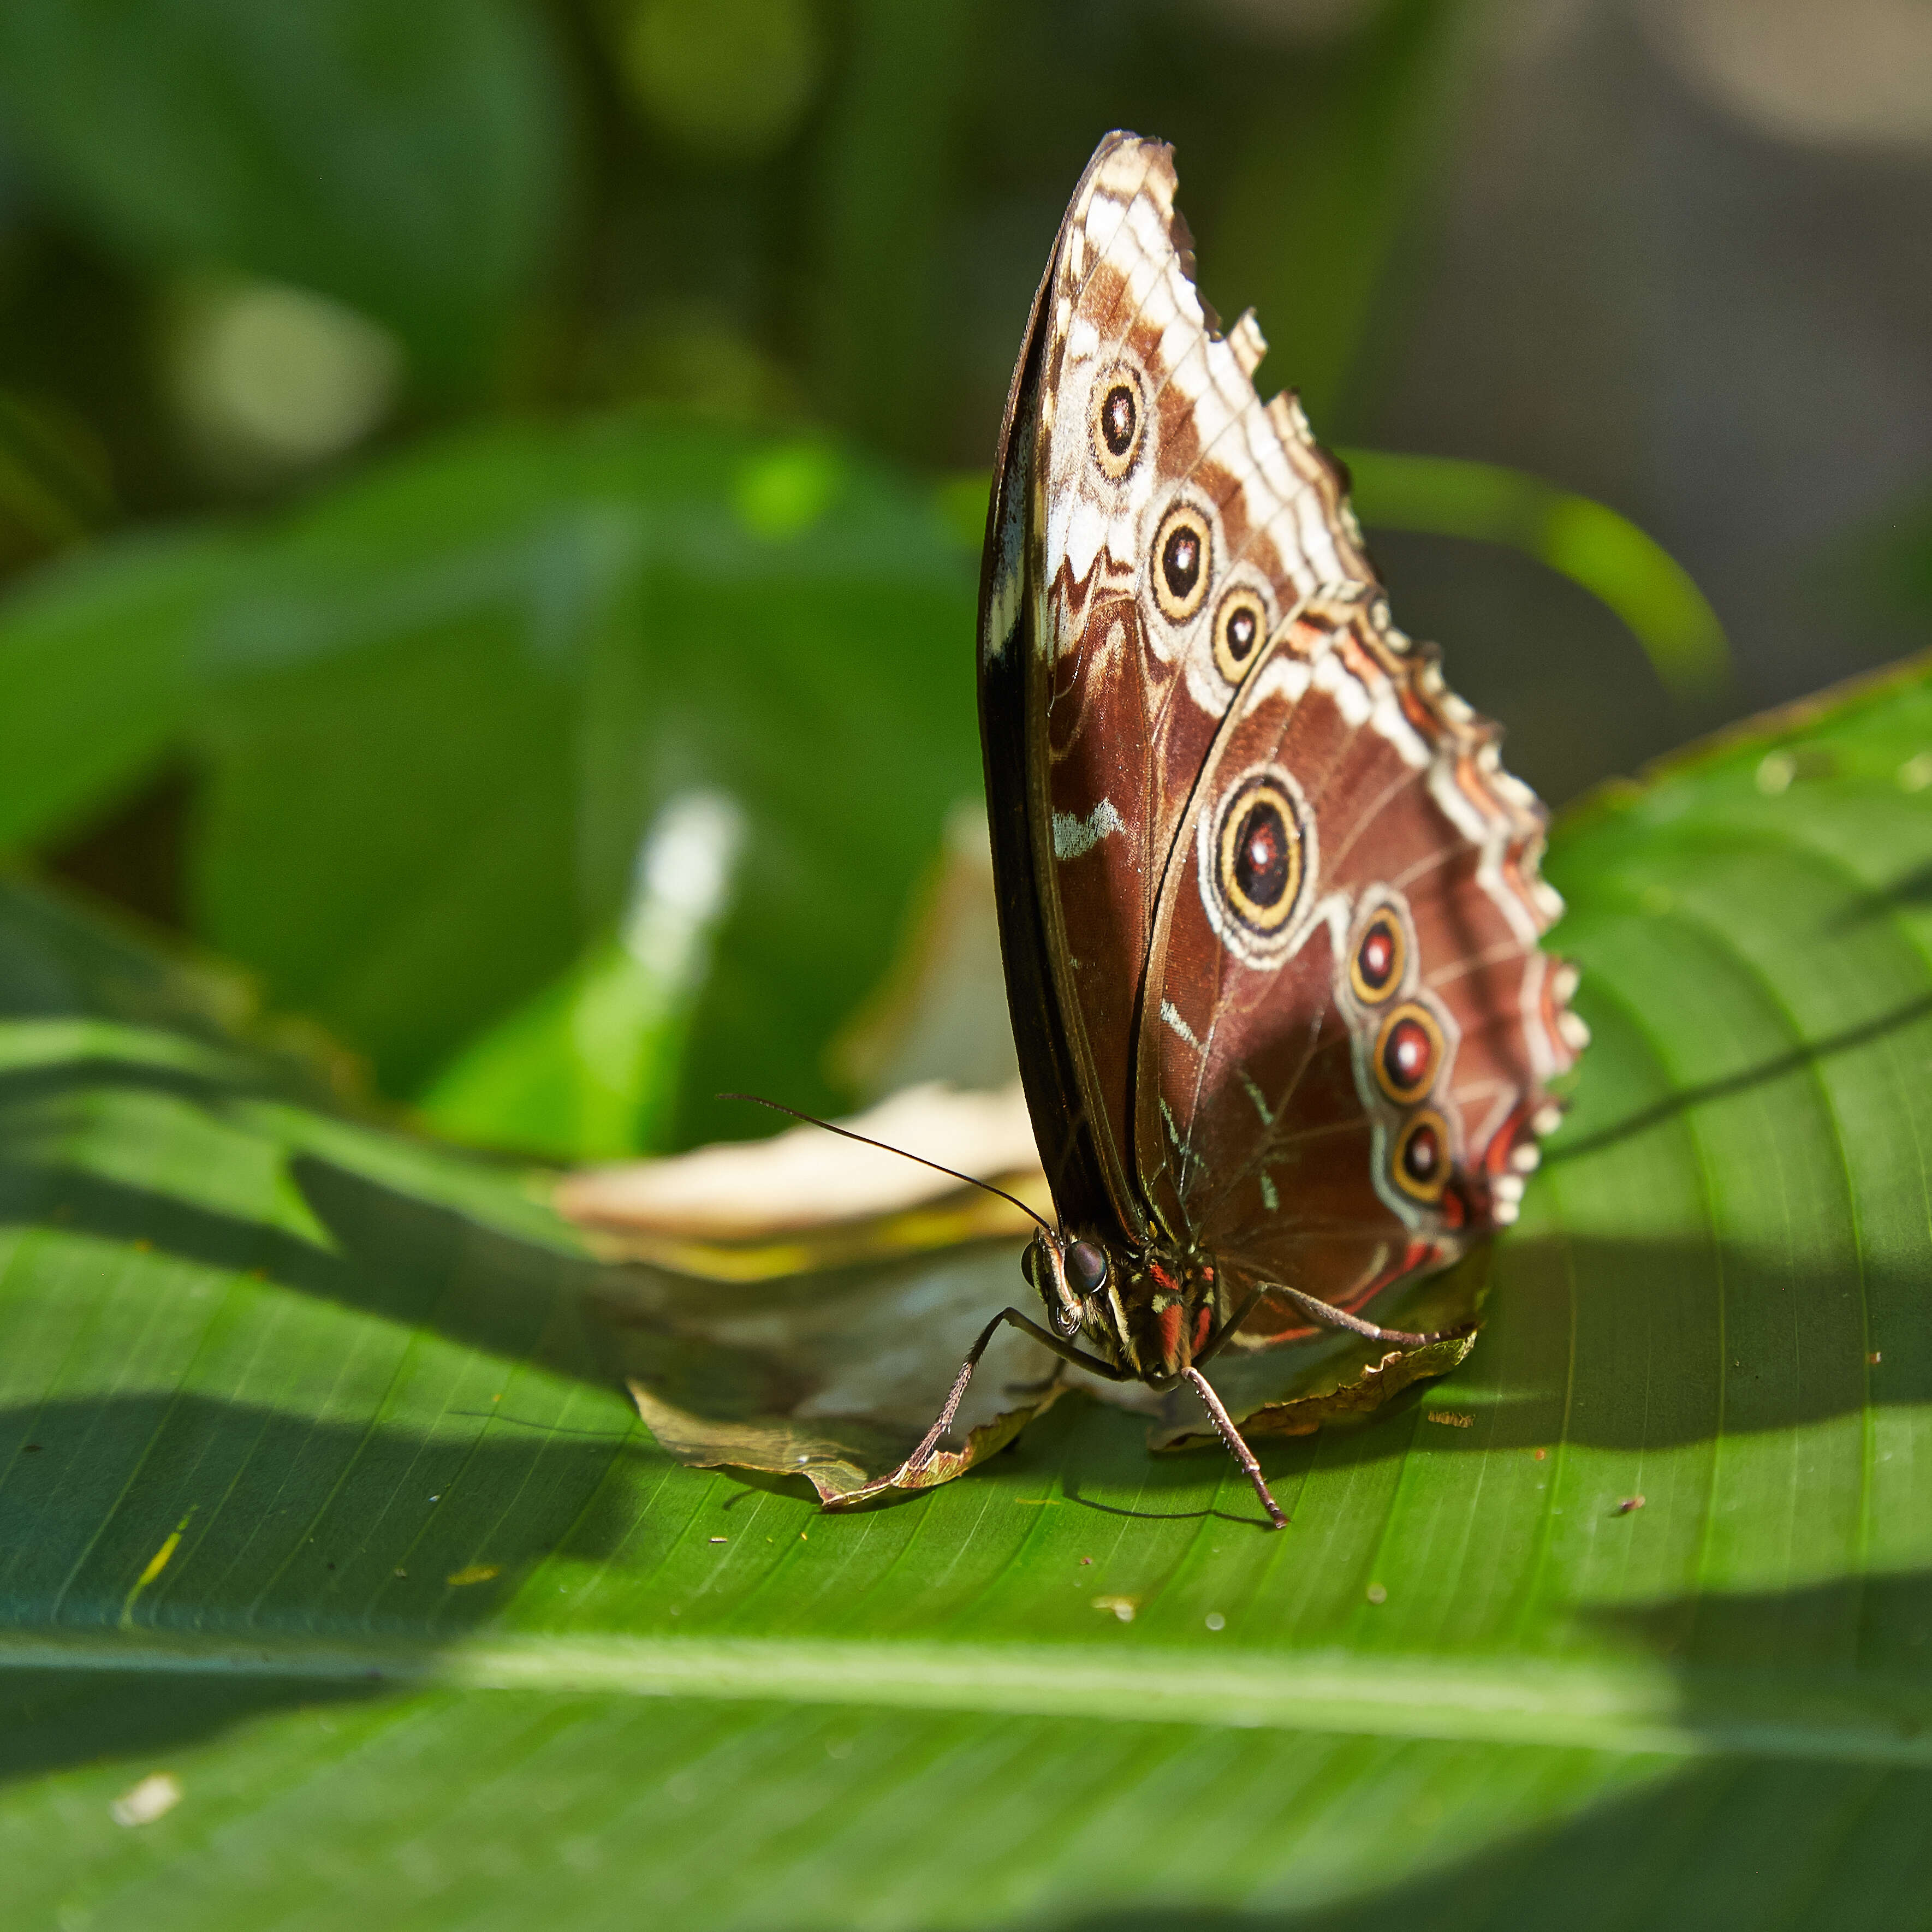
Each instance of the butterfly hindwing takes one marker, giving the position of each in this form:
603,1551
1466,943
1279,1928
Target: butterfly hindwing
1355,1024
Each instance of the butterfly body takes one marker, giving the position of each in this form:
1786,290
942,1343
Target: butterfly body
1270,908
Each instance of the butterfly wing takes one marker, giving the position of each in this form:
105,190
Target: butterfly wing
1152,525
1351,1027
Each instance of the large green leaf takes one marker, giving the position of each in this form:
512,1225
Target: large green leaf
406,159
319,1499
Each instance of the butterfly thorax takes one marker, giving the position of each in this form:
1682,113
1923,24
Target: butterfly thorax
1149,1312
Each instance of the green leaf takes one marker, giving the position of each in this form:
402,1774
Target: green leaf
98,658
537,643
437,712
446,1639
588,1069
408,160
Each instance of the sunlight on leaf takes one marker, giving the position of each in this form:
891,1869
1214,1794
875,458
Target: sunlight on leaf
587,1069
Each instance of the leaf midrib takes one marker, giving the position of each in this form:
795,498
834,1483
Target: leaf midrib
1633,1705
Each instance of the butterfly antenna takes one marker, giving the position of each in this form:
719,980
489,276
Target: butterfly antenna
886,1147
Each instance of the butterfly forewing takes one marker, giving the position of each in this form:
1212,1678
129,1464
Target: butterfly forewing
1154,477
1269,904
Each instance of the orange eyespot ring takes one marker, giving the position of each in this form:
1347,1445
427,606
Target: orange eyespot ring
1375,967
1420,1163
1259,851
1240,626
1116,417
1182,562
1408,1053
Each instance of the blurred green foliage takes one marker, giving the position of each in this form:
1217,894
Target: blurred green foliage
437,443
432,713
1586,542
409,161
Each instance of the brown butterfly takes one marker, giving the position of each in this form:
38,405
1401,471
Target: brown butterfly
1269,903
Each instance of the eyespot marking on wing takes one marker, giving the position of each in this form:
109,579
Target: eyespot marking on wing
1182,562
1419,1162
1241,623
1376,966
1408,1053
1258,844
1118,420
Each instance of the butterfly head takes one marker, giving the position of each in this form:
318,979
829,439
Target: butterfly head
1152,1314
1072,1277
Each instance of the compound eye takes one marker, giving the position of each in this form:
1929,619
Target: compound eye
1033,1266
1086,1268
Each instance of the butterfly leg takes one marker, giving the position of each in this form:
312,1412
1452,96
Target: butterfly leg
1325,1315
1238,1447
917,1459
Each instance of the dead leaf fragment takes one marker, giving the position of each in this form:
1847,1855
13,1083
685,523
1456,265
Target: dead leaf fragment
837,1465
804,1198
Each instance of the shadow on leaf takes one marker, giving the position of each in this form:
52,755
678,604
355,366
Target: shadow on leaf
190,1519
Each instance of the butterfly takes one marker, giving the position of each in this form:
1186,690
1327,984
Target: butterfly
1270,908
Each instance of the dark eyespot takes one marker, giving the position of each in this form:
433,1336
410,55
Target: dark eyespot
1263,851
1086,1268
1240,624
1421,1160
1260,854
1181,563
1408,1052
1375,971
1116,421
